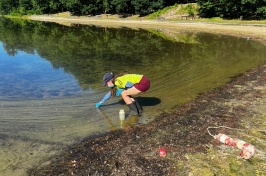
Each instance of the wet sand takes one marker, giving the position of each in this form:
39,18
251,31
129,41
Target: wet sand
191,150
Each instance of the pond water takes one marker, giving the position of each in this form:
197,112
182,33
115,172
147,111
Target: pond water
51,78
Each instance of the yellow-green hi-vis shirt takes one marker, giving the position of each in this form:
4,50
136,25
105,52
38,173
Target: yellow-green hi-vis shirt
122,81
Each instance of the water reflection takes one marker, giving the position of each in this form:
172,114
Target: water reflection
27,76
51,78
86,52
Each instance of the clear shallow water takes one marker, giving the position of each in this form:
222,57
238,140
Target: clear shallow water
51,77
27,76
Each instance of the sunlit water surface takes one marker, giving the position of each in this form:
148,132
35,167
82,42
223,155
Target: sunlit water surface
51,78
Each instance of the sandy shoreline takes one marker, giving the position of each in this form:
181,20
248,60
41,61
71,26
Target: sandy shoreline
250,31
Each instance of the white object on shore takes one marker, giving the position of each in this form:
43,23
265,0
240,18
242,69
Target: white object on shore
247,150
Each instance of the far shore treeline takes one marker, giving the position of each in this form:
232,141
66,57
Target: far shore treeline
228,9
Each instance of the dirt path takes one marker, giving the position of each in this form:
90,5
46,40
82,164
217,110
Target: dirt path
241,105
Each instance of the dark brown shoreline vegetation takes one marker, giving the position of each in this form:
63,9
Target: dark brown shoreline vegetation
135,150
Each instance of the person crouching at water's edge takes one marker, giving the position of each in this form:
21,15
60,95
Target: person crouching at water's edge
126,85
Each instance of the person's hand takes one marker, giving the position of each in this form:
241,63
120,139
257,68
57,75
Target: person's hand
98,104
118,92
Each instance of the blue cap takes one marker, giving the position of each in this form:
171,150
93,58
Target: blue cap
107,77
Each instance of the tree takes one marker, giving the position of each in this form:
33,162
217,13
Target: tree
173,2
207,9
253,9
40,6
106,6
231,9
55,6
261,11
25,6
6,6
144,7
121,6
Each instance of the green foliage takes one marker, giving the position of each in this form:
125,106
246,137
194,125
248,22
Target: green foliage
144,7
245,9
120,5
16,12
81,7
160,12
106,6
207,9
169,8
55,6
261,11
6,6
155,15
190,9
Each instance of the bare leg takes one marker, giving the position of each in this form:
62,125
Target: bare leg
126,94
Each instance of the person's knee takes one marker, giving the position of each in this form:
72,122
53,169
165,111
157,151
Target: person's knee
123,94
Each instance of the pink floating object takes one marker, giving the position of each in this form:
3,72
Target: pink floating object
162,152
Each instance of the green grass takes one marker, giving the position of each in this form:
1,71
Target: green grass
190,9
161,12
